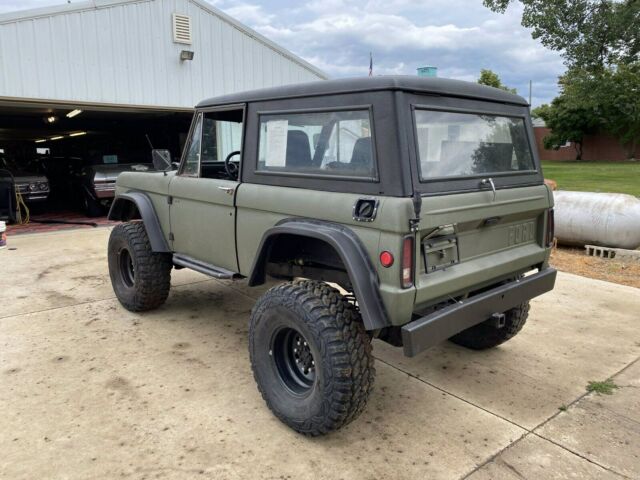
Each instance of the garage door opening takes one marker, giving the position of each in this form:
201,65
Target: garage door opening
62,161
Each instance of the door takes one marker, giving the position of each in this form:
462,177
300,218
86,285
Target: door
202,194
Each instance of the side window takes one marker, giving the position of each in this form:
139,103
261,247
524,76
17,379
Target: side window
220,136
335,143
191,165
221,139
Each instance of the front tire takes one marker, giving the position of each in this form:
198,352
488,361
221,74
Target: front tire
311,356
486,335
141,278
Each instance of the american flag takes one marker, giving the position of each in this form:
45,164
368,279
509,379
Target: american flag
370,64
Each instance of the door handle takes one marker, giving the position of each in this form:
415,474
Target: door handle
227,190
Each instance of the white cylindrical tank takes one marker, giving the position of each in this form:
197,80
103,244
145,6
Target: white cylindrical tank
606,219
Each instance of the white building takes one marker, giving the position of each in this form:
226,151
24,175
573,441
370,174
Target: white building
134,53
98,82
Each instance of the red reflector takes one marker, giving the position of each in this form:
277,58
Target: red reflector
407,262
386,259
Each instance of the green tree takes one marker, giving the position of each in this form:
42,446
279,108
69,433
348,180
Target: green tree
590,34
569,117
622,110
490,78
614,95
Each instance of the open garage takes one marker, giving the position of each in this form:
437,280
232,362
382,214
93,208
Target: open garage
63,163
88,89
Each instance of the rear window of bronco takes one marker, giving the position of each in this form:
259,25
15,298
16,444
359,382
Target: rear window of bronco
452,144
333,143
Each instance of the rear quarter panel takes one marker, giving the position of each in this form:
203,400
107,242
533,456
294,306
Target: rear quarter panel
261,207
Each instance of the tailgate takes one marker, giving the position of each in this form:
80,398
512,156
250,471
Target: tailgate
469,240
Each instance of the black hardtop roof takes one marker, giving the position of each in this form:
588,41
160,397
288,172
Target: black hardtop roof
434,86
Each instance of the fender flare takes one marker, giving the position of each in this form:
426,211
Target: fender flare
147,213
361,271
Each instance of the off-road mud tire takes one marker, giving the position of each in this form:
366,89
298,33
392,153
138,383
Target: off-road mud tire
147,285
339,345
486,335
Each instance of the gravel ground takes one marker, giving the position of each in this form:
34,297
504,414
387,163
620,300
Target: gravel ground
574,260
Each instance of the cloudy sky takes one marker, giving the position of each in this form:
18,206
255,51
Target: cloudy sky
458,36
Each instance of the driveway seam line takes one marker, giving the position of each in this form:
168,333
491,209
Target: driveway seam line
455,396
579,455
586,393
91,301
527,430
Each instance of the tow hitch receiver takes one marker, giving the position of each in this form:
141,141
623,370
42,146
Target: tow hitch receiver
498,320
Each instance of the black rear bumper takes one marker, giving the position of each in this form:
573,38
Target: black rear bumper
436,327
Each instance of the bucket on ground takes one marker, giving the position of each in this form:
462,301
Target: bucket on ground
3,234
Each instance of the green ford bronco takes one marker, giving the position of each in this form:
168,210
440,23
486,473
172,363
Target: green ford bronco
406,209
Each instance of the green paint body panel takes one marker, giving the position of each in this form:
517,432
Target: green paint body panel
498,235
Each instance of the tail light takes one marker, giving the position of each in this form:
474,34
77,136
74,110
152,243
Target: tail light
407,262
550,227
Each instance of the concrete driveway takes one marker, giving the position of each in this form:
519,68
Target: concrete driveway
89,390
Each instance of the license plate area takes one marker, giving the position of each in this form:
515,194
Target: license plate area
440,253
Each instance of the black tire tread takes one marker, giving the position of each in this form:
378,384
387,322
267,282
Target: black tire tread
153,269
348,364
484,335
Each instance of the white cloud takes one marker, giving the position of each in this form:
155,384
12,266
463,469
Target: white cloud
249,14
458,36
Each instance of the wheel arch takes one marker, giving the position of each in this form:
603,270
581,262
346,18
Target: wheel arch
346,246
137,205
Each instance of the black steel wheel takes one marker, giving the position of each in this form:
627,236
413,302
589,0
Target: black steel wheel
294,360
127,270
140,277
311,356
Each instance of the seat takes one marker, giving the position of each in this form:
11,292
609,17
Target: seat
298,150
361,155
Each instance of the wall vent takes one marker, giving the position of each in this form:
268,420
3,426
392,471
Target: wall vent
181,28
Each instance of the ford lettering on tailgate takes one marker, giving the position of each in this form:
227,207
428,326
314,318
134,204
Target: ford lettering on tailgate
525,232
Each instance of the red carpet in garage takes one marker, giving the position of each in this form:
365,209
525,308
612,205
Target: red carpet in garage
34,226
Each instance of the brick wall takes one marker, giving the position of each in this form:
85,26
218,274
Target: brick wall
594,148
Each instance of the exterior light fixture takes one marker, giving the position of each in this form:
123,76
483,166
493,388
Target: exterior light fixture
73,113
77,134
186,55
57,137
50,119
41,140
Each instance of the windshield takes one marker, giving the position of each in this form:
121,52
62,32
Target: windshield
466,144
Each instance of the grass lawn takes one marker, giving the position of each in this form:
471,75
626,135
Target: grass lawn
618,177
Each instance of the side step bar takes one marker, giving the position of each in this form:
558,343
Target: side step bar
202,267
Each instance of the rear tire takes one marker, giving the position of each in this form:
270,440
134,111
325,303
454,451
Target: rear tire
486,335
311,356
141,278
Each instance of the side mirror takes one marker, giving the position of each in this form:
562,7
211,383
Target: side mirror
161,159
